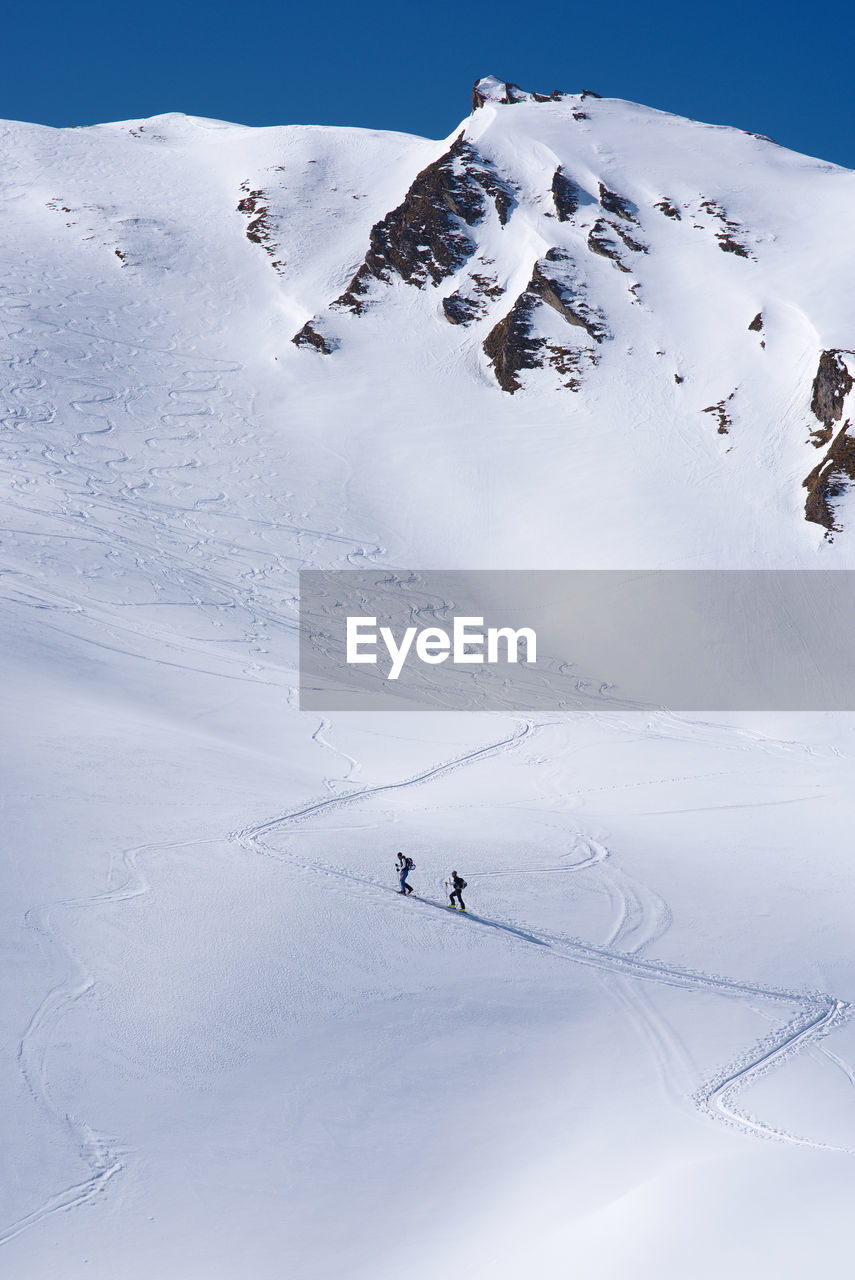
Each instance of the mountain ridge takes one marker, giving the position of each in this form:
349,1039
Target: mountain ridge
432,235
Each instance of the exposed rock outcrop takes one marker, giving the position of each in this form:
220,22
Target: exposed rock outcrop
471,301
260,229
618,205
667,207
836,473
566,194
513,344
726,236
756,326
310,337
564,295
719,411
602,241
491,89
460,309
727,244
631,243
510,345
831,386
500,190
425,239
833,477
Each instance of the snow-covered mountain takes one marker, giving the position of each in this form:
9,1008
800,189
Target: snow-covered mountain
564,237
577,333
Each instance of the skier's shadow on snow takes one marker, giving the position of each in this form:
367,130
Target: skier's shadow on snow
504,928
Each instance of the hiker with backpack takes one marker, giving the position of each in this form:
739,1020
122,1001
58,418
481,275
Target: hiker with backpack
404,866
455,885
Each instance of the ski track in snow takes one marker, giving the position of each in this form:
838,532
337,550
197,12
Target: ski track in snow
642,918
82,506
65,487
70,494
102,1152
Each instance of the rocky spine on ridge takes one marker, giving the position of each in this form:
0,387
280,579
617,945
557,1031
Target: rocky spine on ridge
425,239
756,326
473,298
491,89
429,237
726,237
719,412
435,234
831,386
601,240
668,207
566,194
310,337
564,295
832,478
512,345
260,230
618,205
836,473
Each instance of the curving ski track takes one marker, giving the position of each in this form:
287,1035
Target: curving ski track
643,917
100,1151
75,499
819,1013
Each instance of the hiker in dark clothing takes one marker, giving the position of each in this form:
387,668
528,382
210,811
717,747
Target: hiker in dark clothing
404,866
455,885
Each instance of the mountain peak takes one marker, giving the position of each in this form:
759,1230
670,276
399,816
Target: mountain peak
492,89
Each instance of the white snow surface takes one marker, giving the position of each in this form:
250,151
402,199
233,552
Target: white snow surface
229,1048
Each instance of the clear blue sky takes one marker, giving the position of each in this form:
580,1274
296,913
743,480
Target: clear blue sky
772,68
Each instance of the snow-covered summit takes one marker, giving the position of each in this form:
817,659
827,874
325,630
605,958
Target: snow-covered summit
587,245
665,297
491,89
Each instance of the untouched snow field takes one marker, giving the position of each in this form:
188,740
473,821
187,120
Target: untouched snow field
229,1048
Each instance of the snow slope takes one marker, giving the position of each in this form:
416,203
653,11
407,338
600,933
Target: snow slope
229,1048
